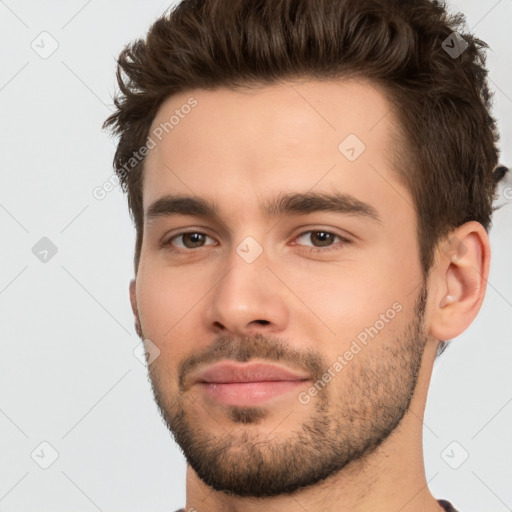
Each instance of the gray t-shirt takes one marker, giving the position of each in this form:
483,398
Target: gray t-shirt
445,504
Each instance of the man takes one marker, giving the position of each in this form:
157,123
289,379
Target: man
311,232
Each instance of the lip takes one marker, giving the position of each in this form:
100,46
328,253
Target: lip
248,394
249,384
232,372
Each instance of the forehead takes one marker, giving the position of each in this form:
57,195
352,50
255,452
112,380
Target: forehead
240,146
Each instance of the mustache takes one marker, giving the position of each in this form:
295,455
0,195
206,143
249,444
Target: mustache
243,348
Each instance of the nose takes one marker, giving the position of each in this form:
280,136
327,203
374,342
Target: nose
248,298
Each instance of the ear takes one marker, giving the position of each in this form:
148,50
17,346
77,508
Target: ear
133,302
460,280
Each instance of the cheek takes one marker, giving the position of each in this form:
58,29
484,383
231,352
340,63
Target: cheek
165,298
344,301
166,312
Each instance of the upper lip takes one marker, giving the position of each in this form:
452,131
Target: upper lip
248,372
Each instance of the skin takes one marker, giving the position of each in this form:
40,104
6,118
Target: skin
293,306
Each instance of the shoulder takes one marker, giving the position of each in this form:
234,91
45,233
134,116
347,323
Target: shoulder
445,504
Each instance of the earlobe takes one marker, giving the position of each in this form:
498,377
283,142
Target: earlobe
133,302
461,277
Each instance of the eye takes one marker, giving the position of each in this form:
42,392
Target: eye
324,239
189,239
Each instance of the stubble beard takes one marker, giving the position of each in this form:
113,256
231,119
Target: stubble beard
346,424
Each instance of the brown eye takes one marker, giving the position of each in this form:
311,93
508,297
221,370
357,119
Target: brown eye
322,241
193,240
322,237
189,240
319,238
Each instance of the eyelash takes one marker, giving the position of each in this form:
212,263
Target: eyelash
344,241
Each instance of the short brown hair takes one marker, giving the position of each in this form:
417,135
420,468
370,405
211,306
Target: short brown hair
447,154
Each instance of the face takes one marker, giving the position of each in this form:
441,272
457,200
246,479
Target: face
299,251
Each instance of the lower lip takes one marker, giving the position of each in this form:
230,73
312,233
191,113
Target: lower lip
249,393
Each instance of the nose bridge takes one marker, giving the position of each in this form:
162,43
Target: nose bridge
248,294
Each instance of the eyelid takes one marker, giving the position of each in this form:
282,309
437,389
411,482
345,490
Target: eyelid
309,231
167,240
343,240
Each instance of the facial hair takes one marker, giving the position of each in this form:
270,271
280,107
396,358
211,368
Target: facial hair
345,424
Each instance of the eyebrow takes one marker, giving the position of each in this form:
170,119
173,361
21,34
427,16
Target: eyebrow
284,204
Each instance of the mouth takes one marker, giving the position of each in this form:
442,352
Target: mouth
247,384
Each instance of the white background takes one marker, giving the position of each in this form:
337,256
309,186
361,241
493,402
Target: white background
68,375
